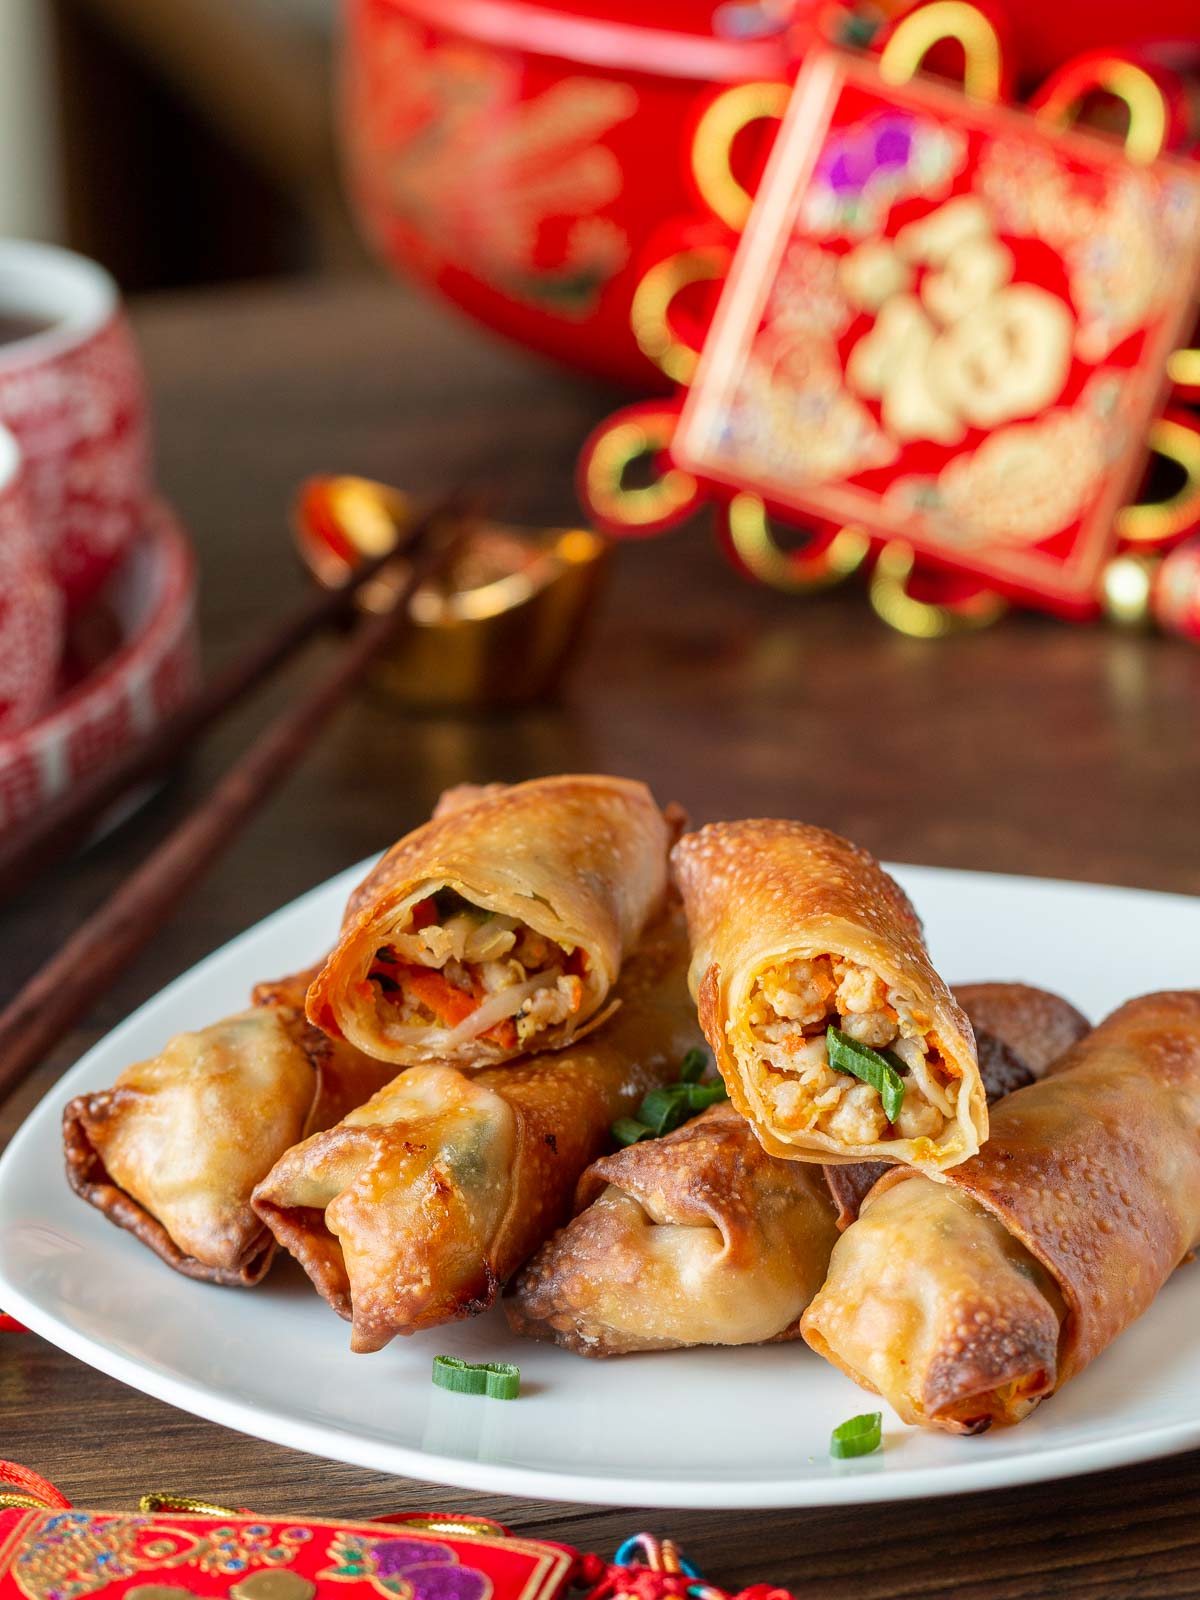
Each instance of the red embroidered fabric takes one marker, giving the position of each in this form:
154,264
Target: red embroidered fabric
190,1551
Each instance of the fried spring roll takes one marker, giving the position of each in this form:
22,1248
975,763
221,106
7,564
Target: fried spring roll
966,1302
421,1203
795,930
702,1238
696,1238
500,926
1019,1032
173,1150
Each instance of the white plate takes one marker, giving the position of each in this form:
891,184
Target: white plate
697,1428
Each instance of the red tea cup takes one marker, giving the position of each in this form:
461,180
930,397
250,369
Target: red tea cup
71,392
31,607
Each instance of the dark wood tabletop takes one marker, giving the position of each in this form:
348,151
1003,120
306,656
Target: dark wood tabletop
1033,747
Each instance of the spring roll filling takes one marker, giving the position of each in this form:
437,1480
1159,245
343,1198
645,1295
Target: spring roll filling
456,971
791,1006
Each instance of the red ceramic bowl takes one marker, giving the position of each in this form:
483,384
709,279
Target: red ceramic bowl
143,630
519,154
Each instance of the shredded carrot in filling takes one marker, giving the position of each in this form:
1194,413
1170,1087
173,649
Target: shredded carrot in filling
452,957
449,1005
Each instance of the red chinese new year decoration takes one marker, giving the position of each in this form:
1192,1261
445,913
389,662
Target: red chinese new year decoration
943,335
178,1547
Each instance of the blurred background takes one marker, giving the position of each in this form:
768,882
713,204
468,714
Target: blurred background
575,174
231,96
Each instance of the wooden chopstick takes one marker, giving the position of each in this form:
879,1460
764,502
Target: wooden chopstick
64,988
66,822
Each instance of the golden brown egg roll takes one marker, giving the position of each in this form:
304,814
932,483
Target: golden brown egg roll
702,1238
421,1203
173,1150
795,931
1019,1032
699,1237
500,926
966,1302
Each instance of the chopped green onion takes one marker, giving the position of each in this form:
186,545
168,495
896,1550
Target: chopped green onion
878,1068
702,1095
628,1130
662,1109
692,1067
666,1108
857,1437
498,1380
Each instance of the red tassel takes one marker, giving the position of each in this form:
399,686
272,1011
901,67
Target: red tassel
35,1486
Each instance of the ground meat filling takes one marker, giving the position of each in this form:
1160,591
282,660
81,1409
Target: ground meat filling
458,972
792,1005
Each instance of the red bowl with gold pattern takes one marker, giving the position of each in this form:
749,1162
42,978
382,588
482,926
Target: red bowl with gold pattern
130,662
518,155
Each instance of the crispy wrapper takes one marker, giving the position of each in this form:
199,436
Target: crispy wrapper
776,907
702,1238
174,1149
1019,1032
421,1203
966,1302
696,1238
580,861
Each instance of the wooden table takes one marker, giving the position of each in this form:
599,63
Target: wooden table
1030,748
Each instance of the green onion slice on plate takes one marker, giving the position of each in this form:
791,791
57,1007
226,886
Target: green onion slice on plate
857,1437
879,1068
498,1380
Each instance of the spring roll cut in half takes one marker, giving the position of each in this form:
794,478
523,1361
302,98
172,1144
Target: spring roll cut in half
1020,1031
174,1149
421,1203
966,1302
500,926
701,1238
835,1036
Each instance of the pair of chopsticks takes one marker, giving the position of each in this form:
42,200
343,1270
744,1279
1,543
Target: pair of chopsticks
80,971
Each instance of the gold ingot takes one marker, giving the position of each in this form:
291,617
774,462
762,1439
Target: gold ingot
497,629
